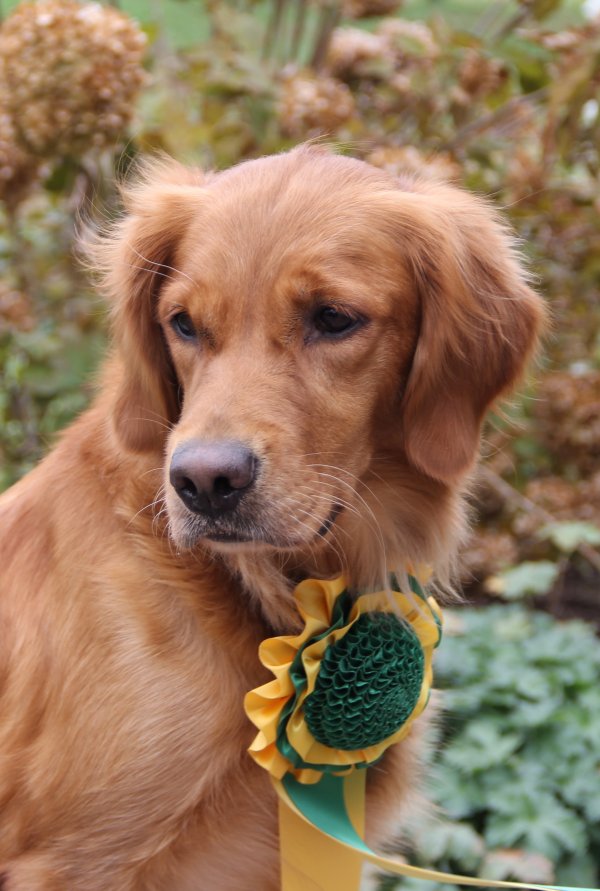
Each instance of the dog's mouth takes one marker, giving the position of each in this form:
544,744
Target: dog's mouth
228,537
237,532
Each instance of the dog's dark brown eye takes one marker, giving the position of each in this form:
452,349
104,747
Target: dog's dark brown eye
183,326
329,320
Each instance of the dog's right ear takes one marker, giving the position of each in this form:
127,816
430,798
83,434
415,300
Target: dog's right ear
135,258
480,324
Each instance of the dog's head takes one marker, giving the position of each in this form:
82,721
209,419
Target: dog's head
300,330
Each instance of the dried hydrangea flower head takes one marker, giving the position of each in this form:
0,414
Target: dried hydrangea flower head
479,76
16,309
353,52
71,74
18,168
402,159
313,104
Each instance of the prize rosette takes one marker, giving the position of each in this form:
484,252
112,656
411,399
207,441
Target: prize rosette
349,685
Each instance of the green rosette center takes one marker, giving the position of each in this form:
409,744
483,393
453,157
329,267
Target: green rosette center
368,685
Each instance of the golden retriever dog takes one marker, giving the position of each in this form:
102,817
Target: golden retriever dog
304,348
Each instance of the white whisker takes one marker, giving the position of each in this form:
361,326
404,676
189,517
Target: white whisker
158,500
155,263
376,526
171,278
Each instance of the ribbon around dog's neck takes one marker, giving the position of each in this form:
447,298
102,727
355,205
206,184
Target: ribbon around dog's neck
346,688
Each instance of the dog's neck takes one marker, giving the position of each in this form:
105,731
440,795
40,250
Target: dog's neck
268,587
268,577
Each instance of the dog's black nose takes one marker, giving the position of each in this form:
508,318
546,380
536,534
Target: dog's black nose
211,477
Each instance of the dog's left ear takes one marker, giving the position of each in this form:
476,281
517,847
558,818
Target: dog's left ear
480,323
135,259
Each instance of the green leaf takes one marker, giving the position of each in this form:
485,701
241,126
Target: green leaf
461,797
529,578
568,536
455,842
63,177
482,745
580,870
519,865
582,789
541,824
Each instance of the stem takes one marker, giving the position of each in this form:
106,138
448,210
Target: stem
488,18
509,26
273,28
513,496
298,30
474,128
330,19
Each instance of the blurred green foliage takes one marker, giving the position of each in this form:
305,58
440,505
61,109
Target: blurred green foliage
51,335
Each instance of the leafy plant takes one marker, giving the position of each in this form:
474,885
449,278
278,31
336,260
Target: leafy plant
518,774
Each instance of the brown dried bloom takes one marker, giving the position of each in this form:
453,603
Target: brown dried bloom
405,35
18,169
407,159
480,76
310,105
71,73
567,412
360,9
16,309
560,40
353,52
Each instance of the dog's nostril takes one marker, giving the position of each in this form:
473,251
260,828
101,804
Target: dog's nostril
186,485
223,486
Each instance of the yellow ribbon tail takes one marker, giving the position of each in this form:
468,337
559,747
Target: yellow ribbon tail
323,850
312,861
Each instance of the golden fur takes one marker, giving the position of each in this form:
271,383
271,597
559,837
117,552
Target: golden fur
127,640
